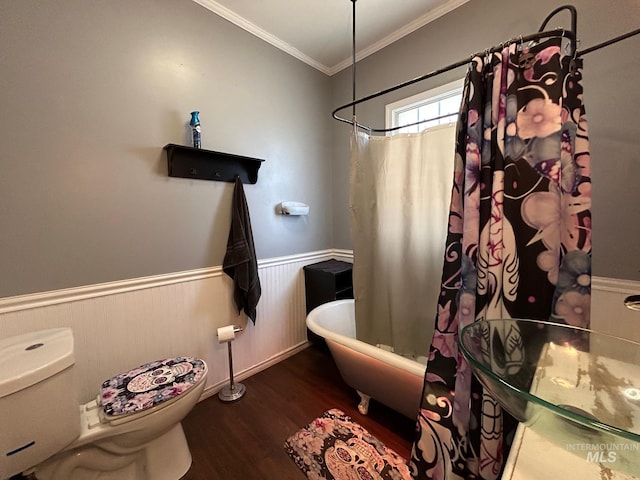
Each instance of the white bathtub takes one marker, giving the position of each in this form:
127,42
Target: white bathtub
389,378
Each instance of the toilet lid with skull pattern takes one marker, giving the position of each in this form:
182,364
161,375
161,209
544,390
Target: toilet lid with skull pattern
150,384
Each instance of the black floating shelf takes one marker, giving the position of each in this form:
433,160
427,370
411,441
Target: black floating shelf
189,162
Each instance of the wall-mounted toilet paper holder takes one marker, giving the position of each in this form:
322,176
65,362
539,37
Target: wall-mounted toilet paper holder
294,208
233,391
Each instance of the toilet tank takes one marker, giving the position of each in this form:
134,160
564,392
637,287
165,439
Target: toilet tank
39,410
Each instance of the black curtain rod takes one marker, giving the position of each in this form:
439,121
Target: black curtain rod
570,34
609,42
528,38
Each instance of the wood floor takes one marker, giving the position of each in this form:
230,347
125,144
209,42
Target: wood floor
244,440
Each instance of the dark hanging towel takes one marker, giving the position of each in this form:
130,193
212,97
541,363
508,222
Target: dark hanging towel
240,261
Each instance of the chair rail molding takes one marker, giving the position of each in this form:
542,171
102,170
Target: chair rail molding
54,297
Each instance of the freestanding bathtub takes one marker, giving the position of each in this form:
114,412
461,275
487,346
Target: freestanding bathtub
389,378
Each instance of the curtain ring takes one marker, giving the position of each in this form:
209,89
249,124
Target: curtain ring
562,35
573,66
527,59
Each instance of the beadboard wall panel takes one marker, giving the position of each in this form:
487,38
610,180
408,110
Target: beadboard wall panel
608,312
121,325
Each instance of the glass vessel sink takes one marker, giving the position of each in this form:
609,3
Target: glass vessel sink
577,388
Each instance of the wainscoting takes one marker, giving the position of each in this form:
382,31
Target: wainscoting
120,325
608,312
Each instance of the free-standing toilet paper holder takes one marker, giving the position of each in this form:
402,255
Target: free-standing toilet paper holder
233,391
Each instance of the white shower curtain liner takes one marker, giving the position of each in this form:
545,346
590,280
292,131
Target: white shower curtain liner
399,200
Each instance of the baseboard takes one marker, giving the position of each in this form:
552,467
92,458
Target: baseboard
211,390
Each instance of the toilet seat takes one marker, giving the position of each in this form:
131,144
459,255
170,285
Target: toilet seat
148,388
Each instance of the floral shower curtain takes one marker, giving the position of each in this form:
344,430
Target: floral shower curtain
518,244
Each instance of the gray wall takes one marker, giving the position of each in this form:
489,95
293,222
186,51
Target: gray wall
90,92
611,99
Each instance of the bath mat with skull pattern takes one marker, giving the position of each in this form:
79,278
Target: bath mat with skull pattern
334,447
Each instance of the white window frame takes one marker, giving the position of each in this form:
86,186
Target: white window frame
392,110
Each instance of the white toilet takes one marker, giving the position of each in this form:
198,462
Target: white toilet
132,431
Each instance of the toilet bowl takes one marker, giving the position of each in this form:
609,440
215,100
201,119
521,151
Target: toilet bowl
131,431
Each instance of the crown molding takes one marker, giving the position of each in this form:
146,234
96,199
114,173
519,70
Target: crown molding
252,28
419,22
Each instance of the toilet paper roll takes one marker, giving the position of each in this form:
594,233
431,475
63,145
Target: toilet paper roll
226,334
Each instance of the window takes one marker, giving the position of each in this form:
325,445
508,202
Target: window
443,101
